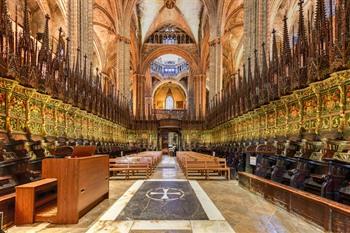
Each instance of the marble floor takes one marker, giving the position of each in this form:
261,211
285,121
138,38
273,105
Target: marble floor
229,208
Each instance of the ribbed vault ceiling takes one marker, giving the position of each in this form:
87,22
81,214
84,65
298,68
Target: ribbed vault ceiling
185,14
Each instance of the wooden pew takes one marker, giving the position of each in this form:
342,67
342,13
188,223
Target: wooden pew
141,164
196,164
130,166
154,157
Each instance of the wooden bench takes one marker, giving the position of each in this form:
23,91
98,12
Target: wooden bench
35,198
130,166
141,164
195,164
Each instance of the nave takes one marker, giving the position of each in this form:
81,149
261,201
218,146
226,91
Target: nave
251,95
227,206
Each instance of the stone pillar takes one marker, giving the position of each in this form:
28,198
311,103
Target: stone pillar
191,96
215,67
87,29
73,26
80,29
142,97
148,94
199,88
203,95
256,27
138,96
123,66
134,95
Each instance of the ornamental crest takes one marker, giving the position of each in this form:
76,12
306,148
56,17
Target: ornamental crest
294,111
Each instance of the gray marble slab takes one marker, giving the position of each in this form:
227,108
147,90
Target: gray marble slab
164,200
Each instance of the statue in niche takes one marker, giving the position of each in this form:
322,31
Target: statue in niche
170,3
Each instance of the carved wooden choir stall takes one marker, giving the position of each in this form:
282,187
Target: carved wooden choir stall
47,101
285,118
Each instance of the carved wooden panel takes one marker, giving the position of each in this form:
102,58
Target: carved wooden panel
271,122
17,112
3,104
340,221
281,120
50,120
309,113
307,209
35,121
323,108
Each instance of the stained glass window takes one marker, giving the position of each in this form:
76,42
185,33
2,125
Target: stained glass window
169,102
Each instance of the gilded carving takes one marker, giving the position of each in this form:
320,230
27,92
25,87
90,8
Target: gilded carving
315,108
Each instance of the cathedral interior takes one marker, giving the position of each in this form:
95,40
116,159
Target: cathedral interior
175,116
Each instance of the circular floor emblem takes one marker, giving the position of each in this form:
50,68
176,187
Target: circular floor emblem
165,194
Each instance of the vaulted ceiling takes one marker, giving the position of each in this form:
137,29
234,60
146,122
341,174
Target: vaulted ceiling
154,14
38,9
232,19
202,20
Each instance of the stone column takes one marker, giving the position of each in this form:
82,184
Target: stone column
80,29
199,87
134,95
256,27
215,67
142,97
148,94
138,96
203,95
73,23
123,66
191,96
87,29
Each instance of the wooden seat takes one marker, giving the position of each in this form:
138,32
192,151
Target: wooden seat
32,198
141,164
195,164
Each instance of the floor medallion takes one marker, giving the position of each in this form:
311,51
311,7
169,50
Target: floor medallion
164,200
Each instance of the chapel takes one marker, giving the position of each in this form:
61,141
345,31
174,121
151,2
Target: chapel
175,116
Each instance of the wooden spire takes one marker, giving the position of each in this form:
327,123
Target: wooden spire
302,49
286,61
274,68
264,76
257,79
251,84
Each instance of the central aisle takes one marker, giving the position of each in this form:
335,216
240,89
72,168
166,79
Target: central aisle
168,168
165,203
